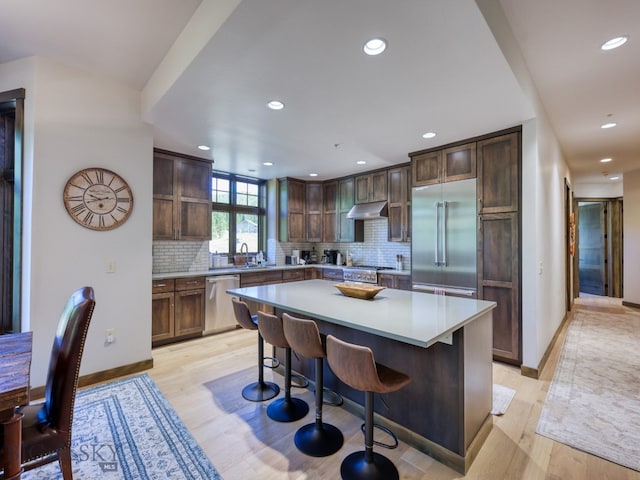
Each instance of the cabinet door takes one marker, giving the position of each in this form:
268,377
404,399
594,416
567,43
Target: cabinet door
459,163
346,197
189,312
399,206
426,168
330,218
314,212
378,186
162,314
385,280
194,180
499,174
292,199
164,221
499,281
362,188
403,282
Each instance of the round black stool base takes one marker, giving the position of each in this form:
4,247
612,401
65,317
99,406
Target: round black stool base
354,467
259,392
283,410
318,441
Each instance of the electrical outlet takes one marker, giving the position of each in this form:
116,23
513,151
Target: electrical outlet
110,335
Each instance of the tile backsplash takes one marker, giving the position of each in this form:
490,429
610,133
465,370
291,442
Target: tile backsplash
172,256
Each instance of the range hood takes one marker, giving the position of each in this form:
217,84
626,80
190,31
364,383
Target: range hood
366,211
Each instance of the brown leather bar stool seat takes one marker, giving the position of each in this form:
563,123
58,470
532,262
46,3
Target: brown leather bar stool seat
317,439
258,391
355,366
287,409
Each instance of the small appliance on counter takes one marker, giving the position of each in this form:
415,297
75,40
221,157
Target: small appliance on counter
331,256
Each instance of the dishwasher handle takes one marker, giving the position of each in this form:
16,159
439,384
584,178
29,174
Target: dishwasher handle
213,281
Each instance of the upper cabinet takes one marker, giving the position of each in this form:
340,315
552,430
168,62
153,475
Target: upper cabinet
330,212
371,187
292,196
181,197
399,205
498,174
447,165
349,230
314,212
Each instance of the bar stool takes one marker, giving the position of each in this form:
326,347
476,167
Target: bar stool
258,391
355,366
285,409
316,439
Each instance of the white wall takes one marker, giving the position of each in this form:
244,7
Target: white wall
74,121
612,189
631,221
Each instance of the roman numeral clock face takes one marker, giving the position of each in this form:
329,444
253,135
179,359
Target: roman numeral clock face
98,199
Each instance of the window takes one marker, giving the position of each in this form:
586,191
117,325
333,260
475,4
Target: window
237,214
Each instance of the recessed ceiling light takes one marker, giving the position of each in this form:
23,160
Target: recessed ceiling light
361,162
429,135
313,174
375,46
275,105
614,178
606,160
204,147
614,42
267,164
609,125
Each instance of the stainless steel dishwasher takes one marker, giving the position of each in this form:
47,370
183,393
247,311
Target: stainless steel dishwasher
219,309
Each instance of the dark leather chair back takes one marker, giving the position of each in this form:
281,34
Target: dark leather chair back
66,354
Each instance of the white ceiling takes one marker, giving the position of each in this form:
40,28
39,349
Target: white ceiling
442,71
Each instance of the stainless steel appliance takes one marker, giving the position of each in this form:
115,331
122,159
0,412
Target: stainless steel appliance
362,273
218,307
444,244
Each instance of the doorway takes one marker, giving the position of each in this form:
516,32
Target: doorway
599,246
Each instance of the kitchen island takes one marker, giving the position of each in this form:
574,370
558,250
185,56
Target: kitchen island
443,343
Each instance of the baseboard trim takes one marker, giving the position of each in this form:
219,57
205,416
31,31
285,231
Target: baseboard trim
535,372
631,304
103,376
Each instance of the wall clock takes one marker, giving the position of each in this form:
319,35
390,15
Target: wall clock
98,198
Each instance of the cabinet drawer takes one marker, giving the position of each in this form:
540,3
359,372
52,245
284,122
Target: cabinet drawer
293,275
162,285
189,283
260,278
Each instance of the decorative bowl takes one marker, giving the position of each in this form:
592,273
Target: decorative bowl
358,290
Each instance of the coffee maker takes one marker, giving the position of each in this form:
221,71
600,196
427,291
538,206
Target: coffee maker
331,256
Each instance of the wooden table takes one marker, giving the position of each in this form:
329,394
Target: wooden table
15,363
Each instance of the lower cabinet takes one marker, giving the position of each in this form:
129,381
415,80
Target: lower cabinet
390,280
332,274
177,311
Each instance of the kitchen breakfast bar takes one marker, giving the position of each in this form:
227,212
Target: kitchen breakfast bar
443,343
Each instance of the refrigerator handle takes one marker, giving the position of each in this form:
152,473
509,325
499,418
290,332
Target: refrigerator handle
436,261
444,234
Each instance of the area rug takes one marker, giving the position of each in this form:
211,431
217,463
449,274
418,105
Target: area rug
502,397
126,430
593,403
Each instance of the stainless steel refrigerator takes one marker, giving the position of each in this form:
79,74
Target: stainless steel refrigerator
444,242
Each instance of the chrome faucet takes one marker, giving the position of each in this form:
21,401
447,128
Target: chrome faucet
245,246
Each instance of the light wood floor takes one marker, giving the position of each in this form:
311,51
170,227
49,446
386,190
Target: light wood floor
202,379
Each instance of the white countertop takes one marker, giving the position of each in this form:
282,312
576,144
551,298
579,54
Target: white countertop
416,318
232,270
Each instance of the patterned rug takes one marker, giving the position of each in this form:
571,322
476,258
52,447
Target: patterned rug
593,403
127,430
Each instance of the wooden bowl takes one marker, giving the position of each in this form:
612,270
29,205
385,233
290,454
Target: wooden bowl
358,290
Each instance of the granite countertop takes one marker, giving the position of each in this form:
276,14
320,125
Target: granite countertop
232,270
419,319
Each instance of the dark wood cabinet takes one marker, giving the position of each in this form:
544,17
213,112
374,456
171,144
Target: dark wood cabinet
314,212
399,205
446,165
498,174
312,273
181,197
390,280
291,220
177,309
330,213
349,230
371,187
499,253
294,275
